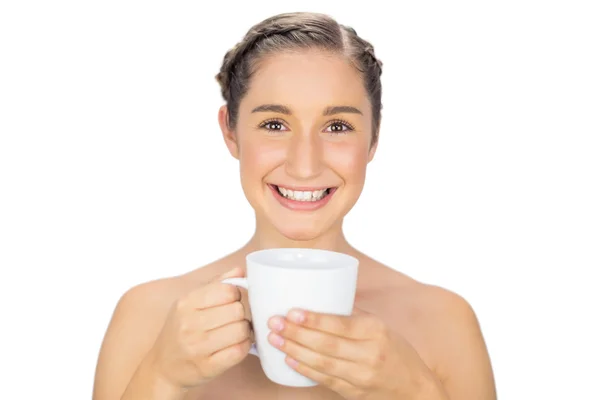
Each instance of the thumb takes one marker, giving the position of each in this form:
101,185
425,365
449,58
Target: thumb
236,272
359,311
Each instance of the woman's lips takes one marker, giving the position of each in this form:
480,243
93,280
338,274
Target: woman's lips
297,205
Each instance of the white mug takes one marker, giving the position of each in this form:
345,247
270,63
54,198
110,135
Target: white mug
281,279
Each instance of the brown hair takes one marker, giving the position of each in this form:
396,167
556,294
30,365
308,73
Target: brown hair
297,31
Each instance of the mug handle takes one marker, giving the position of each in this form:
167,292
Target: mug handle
243,283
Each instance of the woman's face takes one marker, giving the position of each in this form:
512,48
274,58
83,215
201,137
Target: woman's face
303,140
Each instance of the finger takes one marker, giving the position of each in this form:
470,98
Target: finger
335,383
341,368
236,272
358,311
322,342
225,336
228,356
213,295
246,303
357,326
216,317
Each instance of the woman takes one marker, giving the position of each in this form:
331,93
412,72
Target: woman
302,116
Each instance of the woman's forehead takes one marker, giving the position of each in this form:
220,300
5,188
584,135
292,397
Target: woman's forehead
302,79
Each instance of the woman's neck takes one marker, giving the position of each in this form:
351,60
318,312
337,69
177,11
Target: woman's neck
266,237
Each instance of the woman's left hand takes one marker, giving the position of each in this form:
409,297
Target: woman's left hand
356,356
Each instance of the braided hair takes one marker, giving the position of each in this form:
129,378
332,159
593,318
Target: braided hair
297,31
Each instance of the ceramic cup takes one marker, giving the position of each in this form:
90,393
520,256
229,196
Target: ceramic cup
280,279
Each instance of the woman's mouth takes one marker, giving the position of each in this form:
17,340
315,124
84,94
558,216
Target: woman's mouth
303,195
302,199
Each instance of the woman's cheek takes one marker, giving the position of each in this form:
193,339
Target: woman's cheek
258,158
349,160
264,149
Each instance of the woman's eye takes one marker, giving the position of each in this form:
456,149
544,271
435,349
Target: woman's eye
274,126
339,127
333,128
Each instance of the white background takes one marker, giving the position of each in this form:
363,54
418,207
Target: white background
113,171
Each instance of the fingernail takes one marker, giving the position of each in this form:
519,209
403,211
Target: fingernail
276,323
275,340
291,362
296,316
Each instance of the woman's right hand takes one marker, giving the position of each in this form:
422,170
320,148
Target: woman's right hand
205,333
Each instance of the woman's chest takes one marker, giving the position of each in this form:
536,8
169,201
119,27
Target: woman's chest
248,381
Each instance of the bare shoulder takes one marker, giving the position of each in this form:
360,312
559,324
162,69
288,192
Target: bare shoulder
444,329
135,324
438,307
132,330
454,335
412,305
145,306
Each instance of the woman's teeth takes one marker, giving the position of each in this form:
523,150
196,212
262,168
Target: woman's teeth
303,195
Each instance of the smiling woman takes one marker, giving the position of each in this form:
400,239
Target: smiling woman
304,132
302,114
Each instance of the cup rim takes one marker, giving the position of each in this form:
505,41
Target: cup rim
348,260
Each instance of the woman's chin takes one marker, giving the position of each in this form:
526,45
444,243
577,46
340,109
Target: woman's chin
300,236
300,233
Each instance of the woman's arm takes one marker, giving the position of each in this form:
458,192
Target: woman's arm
168,336
464,365
147,384
124,369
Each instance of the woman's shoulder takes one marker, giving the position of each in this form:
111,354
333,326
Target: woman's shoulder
160,294
409,300
142,309
440,323
392,285
136,322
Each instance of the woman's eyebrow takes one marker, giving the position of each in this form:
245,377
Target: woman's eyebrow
281,109
341,109
278,108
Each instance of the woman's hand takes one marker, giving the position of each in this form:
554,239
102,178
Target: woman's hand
205,333
356,356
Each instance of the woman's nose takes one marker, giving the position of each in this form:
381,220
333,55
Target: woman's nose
304,156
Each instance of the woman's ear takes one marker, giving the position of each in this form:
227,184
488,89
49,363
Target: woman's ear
374,142
228,134
373,145
372,150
